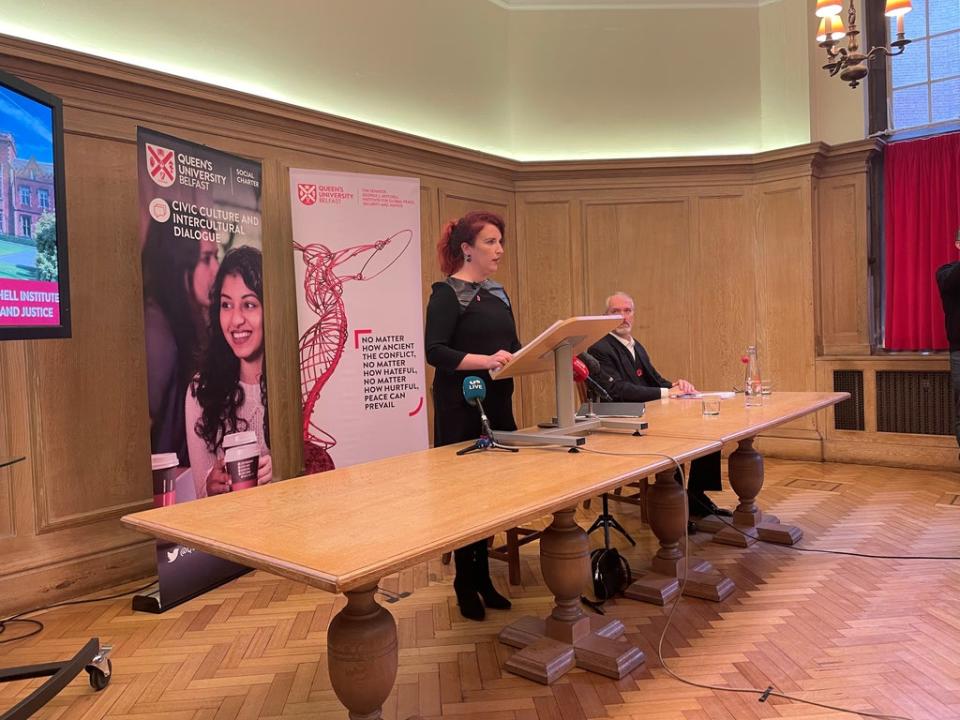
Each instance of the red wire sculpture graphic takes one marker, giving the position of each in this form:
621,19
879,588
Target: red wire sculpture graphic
321,346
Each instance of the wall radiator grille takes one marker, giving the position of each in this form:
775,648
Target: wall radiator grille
848,415
914,402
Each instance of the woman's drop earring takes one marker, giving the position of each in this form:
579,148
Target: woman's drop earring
468,257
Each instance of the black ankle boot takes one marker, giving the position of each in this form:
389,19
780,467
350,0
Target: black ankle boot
464,584
491,598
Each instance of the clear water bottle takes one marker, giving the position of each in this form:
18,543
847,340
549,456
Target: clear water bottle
752,387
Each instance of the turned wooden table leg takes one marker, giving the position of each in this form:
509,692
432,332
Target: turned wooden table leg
362,654
567,637
745,467
565,563
666,502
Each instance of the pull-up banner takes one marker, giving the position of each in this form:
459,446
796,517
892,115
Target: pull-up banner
200,240
356,247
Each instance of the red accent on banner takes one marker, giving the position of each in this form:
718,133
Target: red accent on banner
307,193
417,409
161,165
356,337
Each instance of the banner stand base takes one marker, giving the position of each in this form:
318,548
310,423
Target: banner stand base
150,603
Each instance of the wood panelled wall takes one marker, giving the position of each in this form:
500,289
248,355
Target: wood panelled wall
718,252
716,258
77,408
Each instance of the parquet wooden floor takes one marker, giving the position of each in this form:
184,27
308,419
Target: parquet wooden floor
872,634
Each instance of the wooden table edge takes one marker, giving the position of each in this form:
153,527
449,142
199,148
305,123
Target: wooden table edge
350,581
819,405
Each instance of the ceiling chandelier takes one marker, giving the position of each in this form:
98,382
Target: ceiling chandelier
849,62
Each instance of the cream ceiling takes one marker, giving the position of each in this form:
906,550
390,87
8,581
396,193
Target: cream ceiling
610,79
627,4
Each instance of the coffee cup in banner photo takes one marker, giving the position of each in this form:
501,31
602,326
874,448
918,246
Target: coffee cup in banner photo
242,458
164,478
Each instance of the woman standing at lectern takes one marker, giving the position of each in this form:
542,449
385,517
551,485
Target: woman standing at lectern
470,331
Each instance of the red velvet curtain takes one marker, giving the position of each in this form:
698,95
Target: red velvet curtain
922,209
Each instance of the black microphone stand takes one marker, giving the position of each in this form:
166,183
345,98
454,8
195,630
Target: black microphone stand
605,520
485,441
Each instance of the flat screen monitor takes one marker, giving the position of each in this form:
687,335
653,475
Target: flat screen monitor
34,282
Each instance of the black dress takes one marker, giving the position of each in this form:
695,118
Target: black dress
464,317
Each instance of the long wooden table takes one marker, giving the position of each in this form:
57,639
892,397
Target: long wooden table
344,530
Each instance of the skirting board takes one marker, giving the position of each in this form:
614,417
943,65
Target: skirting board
74,577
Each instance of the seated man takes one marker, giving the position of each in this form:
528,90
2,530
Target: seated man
629,376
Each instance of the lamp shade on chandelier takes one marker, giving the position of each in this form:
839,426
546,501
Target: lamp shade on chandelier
831,27
849,62
896,8
828,8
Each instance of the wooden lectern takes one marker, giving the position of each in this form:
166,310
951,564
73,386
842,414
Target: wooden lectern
554,349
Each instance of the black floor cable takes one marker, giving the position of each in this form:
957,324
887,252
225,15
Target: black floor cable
38,626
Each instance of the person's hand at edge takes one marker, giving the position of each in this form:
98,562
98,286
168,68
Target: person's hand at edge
218,479
265,470
498,359
682,387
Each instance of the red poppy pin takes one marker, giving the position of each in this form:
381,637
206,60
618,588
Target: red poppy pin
639,372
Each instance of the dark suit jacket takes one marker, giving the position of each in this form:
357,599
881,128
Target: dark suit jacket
620,371
629,379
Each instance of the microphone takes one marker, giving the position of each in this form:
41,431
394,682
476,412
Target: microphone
580,371
593,368
474,391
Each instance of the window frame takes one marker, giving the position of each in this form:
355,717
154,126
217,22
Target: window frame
880,80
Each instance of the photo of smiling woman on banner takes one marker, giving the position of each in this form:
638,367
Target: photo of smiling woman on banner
228,435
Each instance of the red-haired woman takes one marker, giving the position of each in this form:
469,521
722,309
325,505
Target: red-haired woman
470,331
